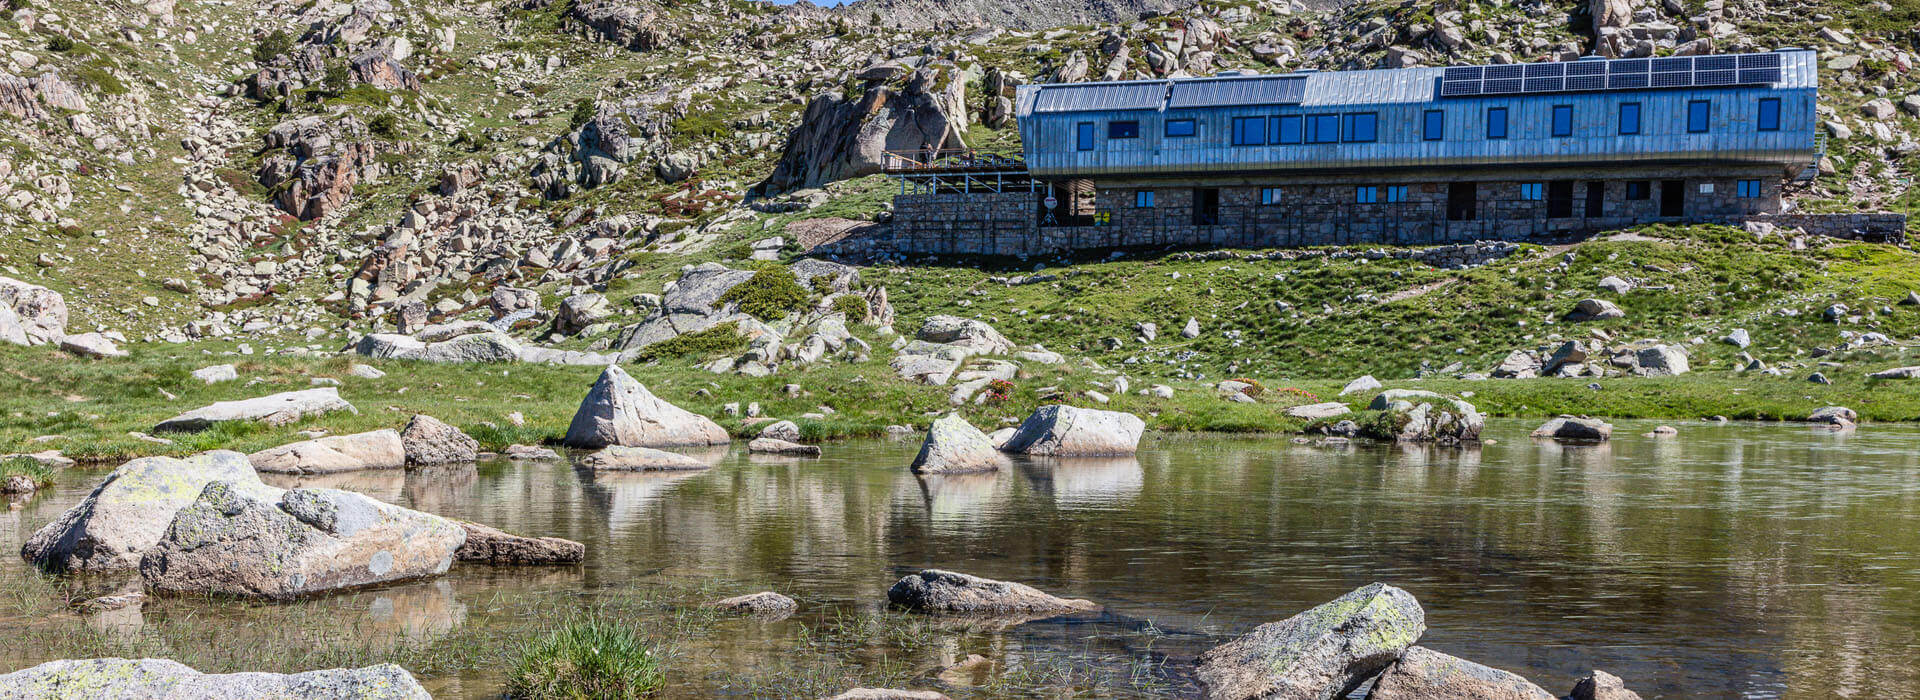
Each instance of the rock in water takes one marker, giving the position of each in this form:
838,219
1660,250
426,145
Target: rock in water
128,679
486,545
1834,415
1601,685
639,459
619,411
772,446
1575,428
766,603
1065,431
954,446
782,430
936,591
889,694
1320,654
430,441
1425,674
280,408
291,543
531,453
129,511
379,449
1425,416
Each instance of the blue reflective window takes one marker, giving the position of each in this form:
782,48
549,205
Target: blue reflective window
1362,127
1769,117
1083,136
1286,129
1434,125
1270,195
1249,131
1534,191
1179,127
1323,128
1748,189
1143,199
1697,113
1630,118
1123,130
1563,120
1396,193
1496,122
1366,195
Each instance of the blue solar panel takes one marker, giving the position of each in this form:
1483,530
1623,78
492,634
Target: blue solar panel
1265,90
1592,74
1092,97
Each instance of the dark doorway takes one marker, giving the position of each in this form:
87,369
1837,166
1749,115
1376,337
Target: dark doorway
1596,199
1206,206
1462,200
1559,199
1673,197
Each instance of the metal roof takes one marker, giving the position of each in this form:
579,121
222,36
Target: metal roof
1230,91
1094,97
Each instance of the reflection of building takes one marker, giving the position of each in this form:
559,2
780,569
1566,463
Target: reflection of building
1399,156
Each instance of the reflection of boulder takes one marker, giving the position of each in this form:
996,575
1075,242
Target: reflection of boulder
441,487
384,484
961,497
625,497
418,613
1086,481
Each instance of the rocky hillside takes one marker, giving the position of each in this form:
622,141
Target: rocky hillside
298,174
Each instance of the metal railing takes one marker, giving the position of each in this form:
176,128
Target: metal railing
949,159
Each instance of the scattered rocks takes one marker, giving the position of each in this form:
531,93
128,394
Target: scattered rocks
936,591
619,411
1322,653
430,441
623,458
379,449
762,604
1424,416
1066,431
1575,428
161,678
275,409
486,545
129,511
954,446
772,446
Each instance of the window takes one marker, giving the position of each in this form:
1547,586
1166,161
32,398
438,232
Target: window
1533,191
1434,125
1769,117
1563,120
1123,130
1496,122
1396,193
1269,195
1179,127
1143,199
1083,136
1249,131
1697,112
1323,128
1286,129
1366,195
1629,118
1362,127
1639,190
1748,189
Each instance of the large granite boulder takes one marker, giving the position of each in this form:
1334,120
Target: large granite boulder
429,441
1595,310
1661,361
141,679
486,545
38,315
619,411
966,333
486,346
847,136
936,591
1066,431
1575,428
379,449
129,511
1320,654
276,409
954,446
283,544
1425,674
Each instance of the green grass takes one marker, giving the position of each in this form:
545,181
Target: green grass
40,474
769,295
586,659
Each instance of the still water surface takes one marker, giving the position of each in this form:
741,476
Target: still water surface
1738,561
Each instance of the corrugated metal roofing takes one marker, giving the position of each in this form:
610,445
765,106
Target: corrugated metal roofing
1222,92
1090,97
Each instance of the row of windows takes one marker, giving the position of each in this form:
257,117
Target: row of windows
1530,191
1363,127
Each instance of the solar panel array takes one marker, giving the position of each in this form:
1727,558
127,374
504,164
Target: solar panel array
1264,90
1614,74
1093,97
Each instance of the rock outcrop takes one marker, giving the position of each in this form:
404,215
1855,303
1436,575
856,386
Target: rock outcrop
275,409
841,137
129,511
1575,428
620,411
936,591
162,678
1066,431
379,449
428,440
954,446
1423,416
486,545
1321,654
31,314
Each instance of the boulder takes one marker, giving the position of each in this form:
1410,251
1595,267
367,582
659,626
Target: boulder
277,409
763,604
623,458
964,332
954,446
936,591
1518,364
379,449
1425,416
1601,685
1425,674
216,374
1066,431
531,453
781,430
485,545
40,314
1575,428
1316,411
276,544
1738,338
1595,310
1834,415
93,345
1364,383
844,136
129,511
487,346
619,411
1661,361
127,679
1897,373
1616,285
773,446
430,441
1320,654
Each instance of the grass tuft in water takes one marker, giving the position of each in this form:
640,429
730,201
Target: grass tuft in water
585,659
40,474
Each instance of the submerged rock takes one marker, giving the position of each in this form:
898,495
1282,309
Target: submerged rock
486,545
764,604
162,678
1575,428
531,453
781,447
277,409
129,511
1834,415
430,441
1066,431
282,544
1425,674
619,411
954,446
379,449
621,458
1320,654
936,591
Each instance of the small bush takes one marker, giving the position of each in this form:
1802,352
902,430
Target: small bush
582,113
740,251
384,125
60,43
769,295
723,339
272,46
999,391
40,474
585,659
852,305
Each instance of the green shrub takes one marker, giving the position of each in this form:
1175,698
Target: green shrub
40,474
60,43
852,305
585,659
769,295
722,339
384,125
272,46
338,78
582,113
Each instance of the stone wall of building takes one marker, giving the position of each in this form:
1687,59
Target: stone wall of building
1871,227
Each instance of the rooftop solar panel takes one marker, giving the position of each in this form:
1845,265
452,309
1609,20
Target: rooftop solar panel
1265,90
1093,97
